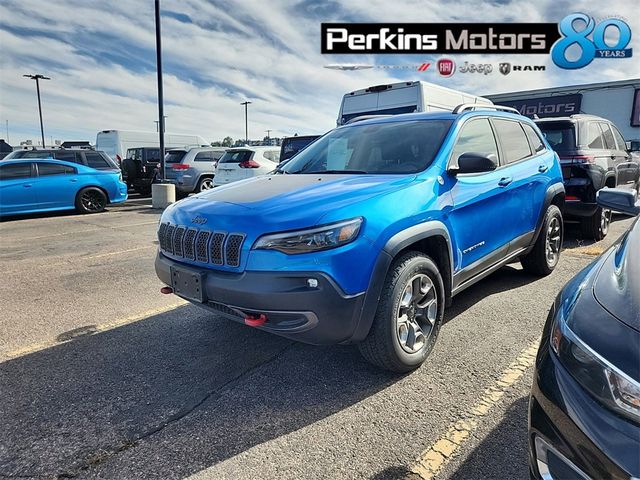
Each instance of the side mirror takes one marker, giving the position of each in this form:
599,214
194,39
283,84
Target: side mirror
622,200
474,162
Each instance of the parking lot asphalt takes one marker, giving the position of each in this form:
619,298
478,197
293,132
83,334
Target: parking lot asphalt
101,376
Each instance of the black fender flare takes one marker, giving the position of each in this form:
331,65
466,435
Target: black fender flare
552,192
395,245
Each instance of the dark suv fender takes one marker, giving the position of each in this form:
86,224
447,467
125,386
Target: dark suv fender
392,248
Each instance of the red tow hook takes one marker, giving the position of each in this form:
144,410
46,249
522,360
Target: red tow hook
255,321
166,290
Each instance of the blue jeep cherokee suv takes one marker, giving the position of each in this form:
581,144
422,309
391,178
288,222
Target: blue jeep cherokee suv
369,232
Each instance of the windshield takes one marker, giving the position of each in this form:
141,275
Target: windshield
393,147
174,156
561,135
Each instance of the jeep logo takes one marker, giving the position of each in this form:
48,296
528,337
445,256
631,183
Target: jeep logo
198,220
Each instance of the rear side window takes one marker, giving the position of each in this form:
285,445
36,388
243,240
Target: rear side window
476,136
67,157
273,155
236,156
619,139
609,142
15,170
203,157
95,160
593,136
45,169
534,138
515,145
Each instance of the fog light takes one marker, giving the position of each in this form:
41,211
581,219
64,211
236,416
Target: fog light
312,282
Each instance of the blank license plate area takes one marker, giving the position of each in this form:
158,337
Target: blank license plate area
187,284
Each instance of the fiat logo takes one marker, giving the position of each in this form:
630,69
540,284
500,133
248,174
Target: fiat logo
446,67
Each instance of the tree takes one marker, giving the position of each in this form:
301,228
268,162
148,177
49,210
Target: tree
227,142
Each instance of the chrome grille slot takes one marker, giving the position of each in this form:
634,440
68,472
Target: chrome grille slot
232,249
216,248
162,231
177,241
189,240
169,238
202,244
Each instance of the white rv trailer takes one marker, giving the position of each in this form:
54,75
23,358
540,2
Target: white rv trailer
404,97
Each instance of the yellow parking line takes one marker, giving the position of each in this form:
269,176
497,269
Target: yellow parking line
103,327
433,459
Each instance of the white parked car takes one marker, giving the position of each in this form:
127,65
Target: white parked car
245,162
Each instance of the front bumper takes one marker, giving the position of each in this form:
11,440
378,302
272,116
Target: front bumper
584,439
320,315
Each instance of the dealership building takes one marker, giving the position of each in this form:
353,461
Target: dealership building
617,101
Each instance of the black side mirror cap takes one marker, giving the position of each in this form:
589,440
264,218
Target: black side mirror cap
623,200
474,162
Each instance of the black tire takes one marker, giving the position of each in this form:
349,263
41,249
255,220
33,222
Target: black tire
91,200
544,256
596,226
383,346
205,183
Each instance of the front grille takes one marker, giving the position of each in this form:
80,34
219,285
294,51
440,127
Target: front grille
177,241
189,240
217,248
217,241
169,238
232,249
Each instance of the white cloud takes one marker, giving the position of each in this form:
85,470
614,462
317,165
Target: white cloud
101,57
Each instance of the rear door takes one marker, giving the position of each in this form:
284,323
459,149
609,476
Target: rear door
616,159
522,177
628,169
229,169
16,188
55,185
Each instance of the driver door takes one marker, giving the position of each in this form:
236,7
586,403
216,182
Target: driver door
479,200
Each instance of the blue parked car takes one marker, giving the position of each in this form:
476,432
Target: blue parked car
366,235
45,184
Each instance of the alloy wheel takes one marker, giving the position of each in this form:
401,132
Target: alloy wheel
416,315
605,220
207,184
92,201
554,241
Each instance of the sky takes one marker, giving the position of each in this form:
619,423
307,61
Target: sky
216,54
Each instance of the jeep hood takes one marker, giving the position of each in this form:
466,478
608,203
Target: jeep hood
279,202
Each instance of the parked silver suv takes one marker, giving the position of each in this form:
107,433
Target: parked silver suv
192,169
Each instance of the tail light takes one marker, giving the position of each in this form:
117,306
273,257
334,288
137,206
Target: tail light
180,166
571,198
249,164
579,159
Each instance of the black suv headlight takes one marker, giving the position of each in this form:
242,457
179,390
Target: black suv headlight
312,239
603,380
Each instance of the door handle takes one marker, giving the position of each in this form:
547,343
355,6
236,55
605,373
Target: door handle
504,181
27,185
543,168
73,180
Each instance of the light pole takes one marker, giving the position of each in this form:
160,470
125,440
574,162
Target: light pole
246,122
160,92
37,78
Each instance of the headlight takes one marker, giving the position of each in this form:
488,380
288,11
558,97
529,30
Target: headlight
607,383
312,239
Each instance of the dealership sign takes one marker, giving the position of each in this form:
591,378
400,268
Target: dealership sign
576,32
558,106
